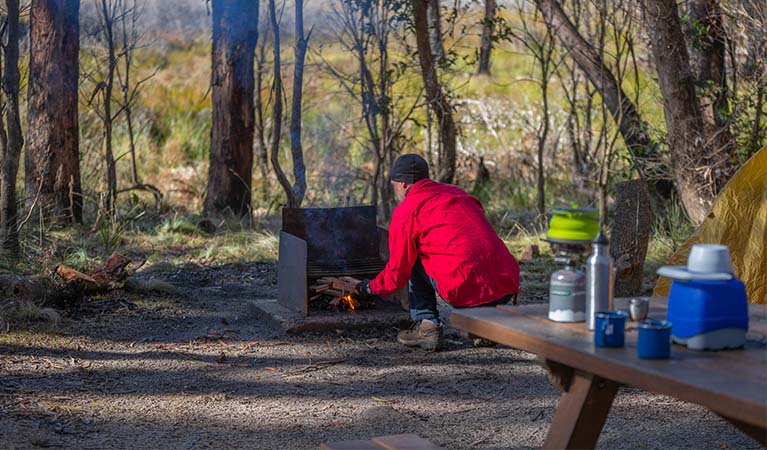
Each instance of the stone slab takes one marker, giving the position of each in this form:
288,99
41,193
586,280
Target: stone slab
270,311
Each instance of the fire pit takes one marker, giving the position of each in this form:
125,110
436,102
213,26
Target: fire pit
327,249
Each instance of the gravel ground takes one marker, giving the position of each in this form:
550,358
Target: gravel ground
196,370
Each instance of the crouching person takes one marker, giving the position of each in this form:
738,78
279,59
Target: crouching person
440,242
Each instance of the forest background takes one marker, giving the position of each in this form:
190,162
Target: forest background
532,127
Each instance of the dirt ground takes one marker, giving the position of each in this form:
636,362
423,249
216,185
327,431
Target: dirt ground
197,370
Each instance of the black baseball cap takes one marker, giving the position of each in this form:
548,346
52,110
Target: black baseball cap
409,168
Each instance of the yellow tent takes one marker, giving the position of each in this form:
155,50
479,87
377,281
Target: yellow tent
738,219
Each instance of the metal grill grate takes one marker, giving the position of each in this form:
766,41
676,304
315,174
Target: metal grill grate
362,266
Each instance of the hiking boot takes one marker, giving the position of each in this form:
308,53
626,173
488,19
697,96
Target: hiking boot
426,334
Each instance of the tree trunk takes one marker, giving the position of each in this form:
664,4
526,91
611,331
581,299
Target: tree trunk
632,220
109,17
487,37
435,95
542,138
757,132
128,47
707,59
435,30
9,163
277,112
622,109
52,160
263,158
384,103
707,52
699,166
370,98
132,144
235,32
297,152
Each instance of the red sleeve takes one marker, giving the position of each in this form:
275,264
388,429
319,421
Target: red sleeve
402,254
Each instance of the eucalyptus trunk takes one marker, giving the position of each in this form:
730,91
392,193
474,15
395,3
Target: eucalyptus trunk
9,160
435,95
52,160
698,163
486,45
296,150
235,33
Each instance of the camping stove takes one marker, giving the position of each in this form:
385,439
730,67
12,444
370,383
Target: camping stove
570,233
567,286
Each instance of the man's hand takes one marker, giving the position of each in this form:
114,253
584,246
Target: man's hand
363,290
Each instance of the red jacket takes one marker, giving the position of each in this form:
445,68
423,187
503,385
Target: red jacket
458,247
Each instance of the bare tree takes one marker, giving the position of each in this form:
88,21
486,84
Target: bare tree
130,13
437,98
486,45
579,96
103,76
52,163
260,135
235,34
112,89
292,201
296,150
108,10
541,46
609,28
12,142
366,29
624,112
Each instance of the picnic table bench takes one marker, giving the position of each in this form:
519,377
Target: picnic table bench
732,383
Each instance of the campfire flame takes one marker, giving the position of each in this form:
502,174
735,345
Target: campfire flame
347,300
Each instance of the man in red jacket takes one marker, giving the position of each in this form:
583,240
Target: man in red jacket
440,242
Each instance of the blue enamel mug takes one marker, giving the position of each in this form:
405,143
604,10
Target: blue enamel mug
609,328
654,340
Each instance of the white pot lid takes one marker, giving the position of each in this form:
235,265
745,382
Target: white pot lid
683,273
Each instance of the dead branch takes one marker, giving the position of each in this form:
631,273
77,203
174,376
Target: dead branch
112,275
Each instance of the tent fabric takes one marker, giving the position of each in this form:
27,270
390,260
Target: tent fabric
738,219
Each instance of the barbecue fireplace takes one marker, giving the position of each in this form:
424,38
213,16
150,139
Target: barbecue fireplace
326,242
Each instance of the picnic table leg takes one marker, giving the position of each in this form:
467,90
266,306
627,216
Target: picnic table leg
581,412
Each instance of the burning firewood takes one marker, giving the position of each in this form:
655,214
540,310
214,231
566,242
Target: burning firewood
335,286
341,289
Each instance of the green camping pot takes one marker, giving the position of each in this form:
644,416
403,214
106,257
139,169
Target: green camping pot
573,224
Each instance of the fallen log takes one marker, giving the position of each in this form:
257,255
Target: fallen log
112,275
43,291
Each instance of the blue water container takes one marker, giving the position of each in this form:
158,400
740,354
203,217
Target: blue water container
708,315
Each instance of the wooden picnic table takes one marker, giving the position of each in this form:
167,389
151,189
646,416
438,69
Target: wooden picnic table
732,383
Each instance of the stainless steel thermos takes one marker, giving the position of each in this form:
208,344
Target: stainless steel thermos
599,279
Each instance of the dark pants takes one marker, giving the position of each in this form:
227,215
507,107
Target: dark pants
422,291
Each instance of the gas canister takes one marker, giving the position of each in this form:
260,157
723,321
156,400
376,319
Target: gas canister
567,295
